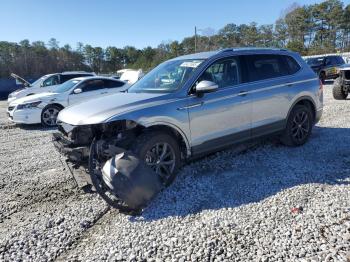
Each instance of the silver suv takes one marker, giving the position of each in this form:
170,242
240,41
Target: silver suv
192,105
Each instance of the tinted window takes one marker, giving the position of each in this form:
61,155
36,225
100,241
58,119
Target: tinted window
292,65
67,77
92,85
339,60
225,72
262,67
328,61
113,84
52,80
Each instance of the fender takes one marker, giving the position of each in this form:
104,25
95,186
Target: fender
188,147
308,98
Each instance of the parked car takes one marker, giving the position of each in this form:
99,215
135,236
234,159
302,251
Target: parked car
129,75
45,83
44,107
341,86
325,67
213,100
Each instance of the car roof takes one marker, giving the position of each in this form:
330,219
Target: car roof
77,73
240,50
82,78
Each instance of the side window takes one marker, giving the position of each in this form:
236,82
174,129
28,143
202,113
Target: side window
92,85
113,84
67,77
52,80
292,65
340,60
225,72
262,67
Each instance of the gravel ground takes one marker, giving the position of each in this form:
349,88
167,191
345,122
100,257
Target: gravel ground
270,203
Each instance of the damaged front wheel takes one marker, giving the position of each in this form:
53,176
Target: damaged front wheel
128,180
160,152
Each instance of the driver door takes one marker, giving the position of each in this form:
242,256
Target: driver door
89,89
222,117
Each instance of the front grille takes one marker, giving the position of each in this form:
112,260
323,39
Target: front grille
347,74
10,108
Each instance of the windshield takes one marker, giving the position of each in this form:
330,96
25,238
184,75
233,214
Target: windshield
66,86
39,81
314,61
167,77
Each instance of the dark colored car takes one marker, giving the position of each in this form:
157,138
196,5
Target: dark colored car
325,67
341,85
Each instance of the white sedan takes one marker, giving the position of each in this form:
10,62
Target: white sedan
43,108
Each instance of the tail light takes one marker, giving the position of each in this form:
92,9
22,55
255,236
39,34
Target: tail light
321,86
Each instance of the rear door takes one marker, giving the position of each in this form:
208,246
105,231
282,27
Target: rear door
271,91
90,89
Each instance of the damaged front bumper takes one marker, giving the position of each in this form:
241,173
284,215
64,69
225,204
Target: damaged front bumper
118,176
75,159
75,154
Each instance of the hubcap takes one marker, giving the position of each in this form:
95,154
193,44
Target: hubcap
161,158
300,126
50,116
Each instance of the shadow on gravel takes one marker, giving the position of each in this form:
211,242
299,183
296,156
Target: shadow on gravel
228,180
36,127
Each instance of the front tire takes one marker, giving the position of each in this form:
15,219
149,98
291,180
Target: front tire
299,126
161,152
338,92
49,115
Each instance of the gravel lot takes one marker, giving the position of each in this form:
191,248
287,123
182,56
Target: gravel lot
226,207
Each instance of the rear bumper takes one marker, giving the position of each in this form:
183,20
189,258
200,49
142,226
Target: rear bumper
318,115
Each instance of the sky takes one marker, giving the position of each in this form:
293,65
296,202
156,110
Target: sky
138,23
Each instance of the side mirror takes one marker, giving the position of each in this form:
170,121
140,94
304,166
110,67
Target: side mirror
206,87
77,91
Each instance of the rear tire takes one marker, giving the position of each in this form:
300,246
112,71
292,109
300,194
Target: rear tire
338,92
299,126
161,152
49,115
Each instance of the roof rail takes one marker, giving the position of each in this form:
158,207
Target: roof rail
251,48
66,72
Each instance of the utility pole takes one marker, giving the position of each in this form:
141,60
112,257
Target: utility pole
195,39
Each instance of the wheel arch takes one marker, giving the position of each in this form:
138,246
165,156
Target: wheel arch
306,101
172,130
55,104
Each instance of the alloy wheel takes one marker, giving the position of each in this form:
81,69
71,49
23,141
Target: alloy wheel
49,116
161,158
300,126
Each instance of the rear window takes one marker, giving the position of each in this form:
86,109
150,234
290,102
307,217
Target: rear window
292,65
113,84
262,67
67,77
339,60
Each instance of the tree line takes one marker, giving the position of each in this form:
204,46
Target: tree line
309,29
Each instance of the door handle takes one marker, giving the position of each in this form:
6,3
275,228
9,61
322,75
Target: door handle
190,106
289,84
242,93
102,93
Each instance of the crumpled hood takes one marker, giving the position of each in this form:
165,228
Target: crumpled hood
33,98
98,110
